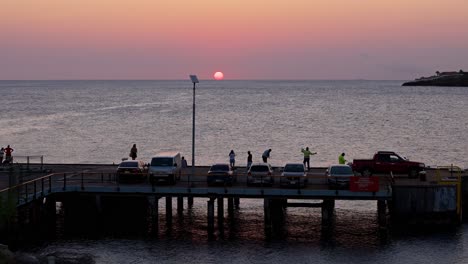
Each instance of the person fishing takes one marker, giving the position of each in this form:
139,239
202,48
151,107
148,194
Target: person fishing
307,153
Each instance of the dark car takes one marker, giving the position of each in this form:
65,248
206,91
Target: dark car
132,171
220,174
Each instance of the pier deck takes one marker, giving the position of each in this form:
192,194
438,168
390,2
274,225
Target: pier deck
60,178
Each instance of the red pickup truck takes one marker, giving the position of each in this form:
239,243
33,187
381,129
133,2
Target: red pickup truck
386,162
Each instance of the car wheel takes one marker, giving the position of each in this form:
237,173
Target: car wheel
366,172
413,173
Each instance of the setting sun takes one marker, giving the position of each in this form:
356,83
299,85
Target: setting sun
218,76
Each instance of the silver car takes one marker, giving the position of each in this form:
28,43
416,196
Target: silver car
339,176
260,174
293,175
220,174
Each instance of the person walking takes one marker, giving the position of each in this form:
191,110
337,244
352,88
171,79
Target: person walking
266,155
232,158
2,151
133,152
341,159
8,151
307,153
249,159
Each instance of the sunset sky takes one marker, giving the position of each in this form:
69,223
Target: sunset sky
245,39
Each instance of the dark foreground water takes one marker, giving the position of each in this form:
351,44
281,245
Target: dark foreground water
354,237
98,121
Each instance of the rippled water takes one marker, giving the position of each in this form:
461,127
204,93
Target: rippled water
98,121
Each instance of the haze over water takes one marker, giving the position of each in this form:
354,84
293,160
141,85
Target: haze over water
98,121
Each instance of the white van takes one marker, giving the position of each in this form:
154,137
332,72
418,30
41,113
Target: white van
165,167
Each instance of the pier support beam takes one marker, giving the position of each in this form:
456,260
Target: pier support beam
190,201
328,207
210,214
220,212
237,202
382,213
230,206
50,217
168,210
267,213
180,205
154,209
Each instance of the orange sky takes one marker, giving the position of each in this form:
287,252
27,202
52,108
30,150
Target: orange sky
246,39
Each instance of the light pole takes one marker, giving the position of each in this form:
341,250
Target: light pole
194,80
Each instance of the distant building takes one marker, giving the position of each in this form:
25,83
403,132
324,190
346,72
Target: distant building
448,73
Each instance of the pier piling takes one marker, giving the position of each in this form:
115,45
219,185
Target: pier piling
220,212
168,210
267,213
180,205
328,207
230,206
211,216
382,213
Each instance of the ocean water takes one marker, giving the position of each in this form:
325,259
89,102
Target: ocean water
98,121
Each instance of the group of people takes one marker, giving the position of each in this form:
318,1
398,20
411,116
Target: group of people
266,154
7,153
232,156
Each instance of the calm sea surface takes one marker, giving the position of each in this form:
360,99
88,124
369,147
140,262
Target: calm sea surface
98,121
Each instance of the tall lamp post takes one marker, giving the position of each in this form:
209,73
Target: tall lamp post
194,80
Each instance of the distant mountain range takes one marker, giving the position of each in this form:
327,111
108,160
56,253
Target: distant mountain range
459,78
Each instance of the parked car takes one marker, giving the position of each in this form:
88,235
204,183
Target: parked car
294,174
386,162
165,167
339,176
260,173
220,174
131,171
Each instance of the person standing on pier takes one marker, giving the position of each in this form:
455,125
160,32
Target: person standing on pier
249,160
133,152
232,158
184,163
266,155
2,151
8,157
341,159
307,153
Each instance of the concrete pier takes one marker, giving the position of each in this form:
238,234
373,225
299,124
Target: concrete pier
94,201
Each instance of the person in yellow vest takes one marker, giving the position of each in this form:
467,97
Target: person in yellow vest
307,153
341,159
